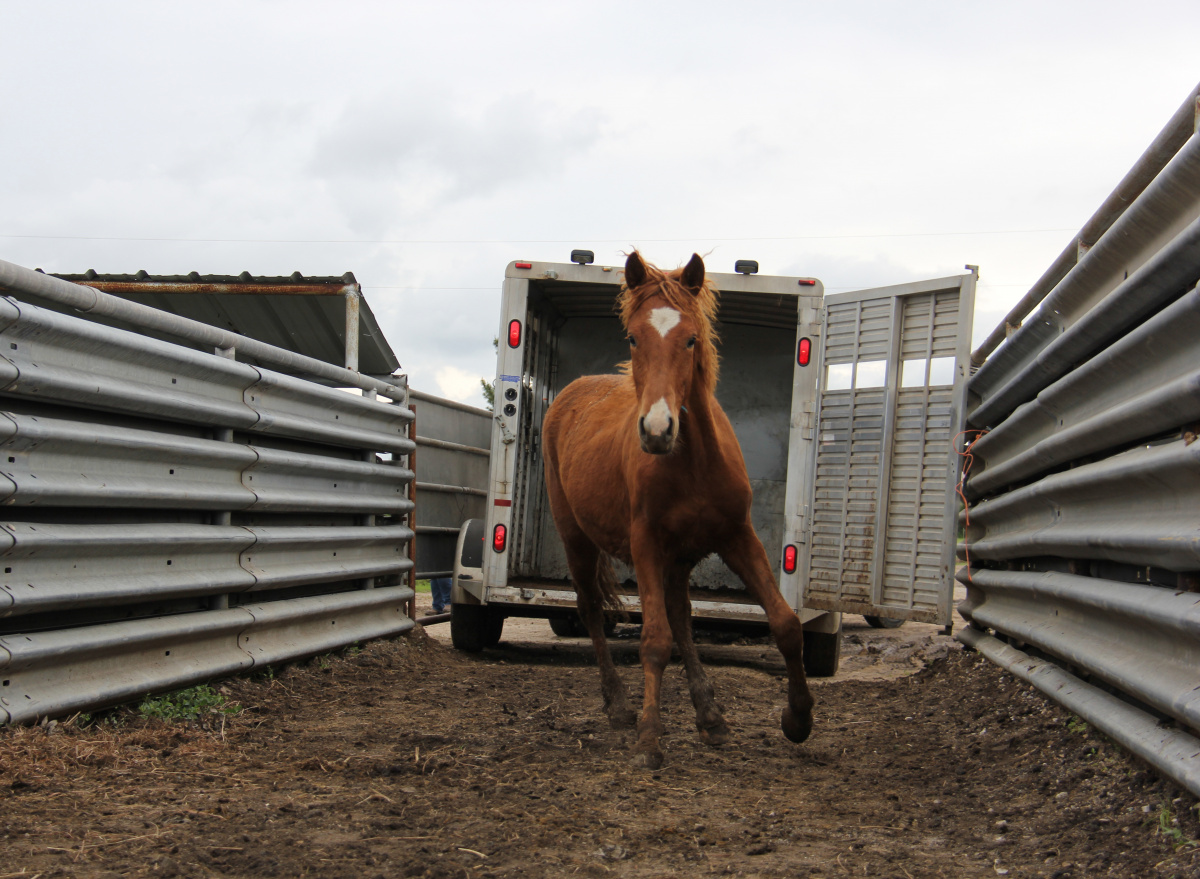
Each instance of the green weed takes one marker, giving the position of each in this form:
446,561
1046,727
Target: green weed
1168,828
187,704
1076,725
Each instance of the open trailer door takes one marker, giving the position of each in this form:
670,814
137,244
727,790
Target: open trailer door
881,527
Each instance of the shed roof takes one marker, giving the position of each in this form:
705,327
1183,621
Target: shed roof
306,315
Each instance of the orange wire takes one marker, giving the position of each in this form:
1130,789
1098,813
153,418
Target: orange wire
968,459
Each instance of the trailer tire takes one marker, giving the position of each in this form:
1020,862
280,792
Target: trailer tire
567,627
572,627
822,653
883,622
475,627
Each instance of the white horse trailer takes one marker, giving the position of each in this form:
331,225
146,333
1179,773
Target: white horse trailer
846,408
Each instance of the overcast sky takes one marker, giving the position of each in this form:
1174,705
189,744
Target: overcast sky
425,145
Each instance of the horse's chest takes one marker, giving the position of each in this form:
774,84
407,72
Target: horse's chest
697,522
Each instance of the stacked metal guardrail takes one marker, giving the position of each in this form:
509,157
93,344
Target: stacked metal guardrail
175,515
1082,533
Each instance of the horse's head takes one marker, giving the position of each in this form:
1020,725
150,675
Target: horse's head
668,317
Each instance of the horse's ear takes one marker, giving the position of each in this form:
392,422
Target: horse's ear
693,273
635,270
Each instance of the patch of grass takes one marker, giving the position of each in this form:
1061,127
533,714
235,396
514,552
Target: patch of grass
189,704
422,586
1076,725
1168,828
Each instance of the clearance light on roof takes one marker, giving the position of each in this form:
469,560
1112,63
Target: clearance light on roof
523,265
789,559
499,538
514,333
803,282
804,352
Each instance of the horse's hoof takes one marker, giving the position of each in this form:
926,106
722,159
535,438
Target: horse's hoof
625,719
715,735
797,728
648,760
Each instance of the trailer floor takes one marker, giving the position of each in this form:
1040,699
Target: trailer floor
409,759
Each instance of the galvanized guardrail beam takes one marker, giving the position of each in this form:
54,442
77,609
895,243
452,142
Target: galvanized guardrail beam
1082,529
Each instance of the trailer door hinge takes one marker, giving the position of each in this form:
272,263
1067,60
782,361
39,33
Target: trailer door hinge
506,435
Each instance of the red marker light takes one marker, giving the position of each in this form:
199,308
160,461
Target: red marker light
803,282
789,559
523,265
499,538
514,333
804,352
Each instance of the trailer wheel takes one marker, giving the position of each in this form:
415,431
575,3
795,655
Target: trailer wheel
567,627
572,627
822,653
883,622
475,627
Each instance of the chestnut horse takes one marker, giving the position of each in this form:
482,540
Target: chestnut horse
645,467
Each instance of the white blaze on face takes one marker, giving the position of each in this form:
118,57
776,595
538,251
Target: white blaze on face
664,320
658,419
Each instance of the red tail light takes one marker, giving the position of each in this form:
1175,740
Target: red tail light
807,282
514,333
523,265
789,559
499,538
804,352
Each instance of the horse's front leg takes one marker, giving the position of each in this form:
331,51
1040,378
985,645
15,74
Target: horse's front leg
745,556
709,719
649,563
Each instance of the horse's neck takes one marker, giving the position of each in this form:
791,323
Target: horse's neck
704,426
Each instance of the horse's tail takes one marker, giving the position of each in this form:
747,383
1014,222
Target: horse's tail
606,584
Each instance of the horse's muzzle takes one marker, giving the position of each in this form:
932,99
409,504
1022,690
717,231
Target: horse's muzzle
657,443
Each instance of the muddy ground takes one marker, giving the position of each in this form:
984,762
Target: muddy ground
406,758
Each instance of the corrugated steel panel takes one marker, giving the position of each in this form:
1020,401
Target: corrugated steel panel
287,630
1164,210
292,407
291,556
144,479
48,674
1146,383
51,674
95,305
51,567
67,360
54,357
56,462
1084,531
1136,507
1133,637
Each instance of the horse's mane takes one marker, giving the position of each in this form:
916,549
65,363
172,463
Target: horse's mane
700,305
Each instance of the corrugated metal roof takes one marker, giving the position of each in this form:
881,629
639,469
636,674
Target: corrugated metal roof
301,314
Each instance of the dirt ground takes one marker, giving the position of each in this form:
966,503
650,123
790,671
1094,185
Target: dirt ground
406,758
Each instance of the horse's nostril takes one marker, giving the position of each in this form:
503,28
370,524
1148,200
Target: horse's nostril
670,427
642,425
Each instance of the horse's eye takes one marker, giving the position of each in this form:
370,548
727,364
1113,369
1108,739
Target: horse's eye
632,342
692,342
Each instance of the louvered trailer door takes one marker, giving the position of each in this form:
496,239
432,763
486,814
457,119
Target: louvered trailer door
882,507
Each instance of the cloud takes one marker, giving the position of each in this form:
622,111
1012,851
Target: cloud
432,149
459,384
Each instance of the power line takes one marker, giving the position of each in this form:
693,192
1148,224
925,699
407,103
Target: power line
530,240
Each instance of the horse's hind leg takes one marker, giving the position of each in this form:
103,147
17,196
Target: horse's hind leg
746,557
587,567
709,720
